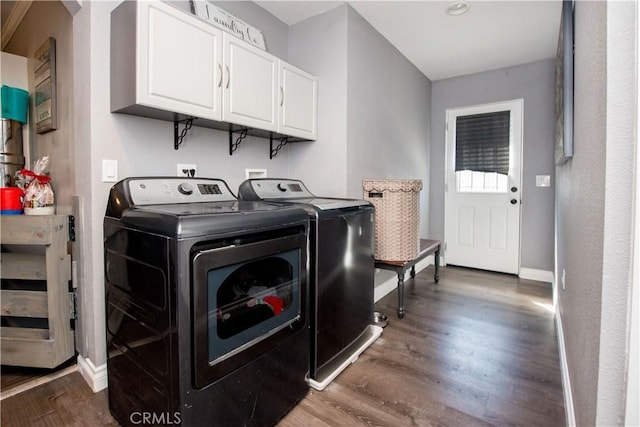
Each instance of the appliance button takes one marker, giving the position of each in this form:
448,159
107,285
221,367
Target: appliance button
185,188
282,186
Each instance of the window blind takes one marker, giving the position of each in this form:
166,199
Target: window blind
482,142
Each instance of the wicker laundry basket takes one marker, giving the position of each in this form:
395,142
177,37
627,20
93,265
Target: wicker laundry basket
397,203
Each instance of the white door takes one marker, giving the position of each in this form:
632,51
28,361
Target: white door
298,102
180,62
250,86
482,206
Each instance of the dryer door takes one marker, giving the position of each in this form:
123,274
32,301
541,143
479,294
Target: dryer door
247,297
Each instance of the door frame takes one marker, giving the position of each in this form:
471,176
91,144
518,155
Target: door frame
507,104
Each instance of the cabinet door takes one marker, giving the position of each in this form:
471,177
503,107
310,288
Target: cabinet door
251,77
179,61
298,114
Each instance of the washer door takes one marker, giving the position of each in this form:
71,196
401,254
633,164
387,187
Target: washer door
247,297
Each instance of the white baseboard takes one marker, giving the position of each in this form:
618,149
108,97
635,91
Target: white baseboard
535,274
383,289
95,376
564,367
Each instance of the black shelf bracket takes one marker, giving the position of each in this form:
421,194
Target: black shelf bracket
178,135
274,151
233,145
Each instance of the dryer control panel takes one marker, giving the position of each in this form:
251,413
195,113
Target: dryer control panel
161,191
275,188
291,191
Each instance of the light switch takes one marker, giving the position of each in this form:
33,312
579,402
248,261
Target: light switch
109,170
543,180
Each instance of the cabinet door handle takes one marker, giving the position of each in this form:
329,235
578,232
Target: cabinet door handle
220,69
281,96
228,76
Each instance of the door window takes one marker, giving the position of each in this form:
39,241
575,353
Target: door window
251,299
481,182
482,155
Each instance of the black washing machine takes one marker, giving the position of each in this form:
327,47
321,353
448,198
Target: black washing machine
342,273
206,304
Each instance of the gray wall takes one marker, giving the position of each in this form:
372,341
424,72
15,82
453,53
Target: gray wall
620,166
318,45
388,114
374,108
145,146
534,83
580,223
141,146
594,206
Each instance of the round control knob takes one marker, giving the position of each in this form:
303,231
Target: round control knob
185,188
282,186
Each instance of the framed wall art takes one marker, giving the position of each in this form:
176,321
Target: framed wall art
564,86
45,83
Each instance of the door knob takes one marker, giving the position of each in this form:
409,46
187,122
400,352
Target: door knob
514,189
514,201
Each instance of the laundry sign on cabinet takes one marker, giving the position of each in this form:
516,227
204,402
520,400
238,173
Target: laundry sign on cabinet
225,21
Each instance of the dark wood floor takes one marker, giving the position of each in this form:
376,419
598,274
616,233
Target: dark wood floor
478,349
14,376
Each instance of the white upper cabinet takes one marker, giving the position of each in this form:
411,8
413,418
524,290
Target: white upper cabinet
297,110
170,65
176,64
250,87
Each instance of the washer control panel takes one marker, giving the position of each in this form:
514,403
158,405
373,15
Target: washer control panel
162,191
279,189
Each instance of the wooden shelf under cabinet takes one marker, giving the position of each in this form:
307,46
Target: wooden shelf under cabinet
36,304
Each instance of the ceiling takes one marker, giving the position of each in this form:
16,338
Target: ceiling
491,35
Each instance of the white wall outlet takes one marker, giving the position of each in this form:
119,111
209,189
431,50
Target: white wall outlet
109,170
255,173
187,169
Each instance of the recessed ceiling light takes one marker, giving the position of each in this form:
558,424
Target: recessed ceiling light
457,8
